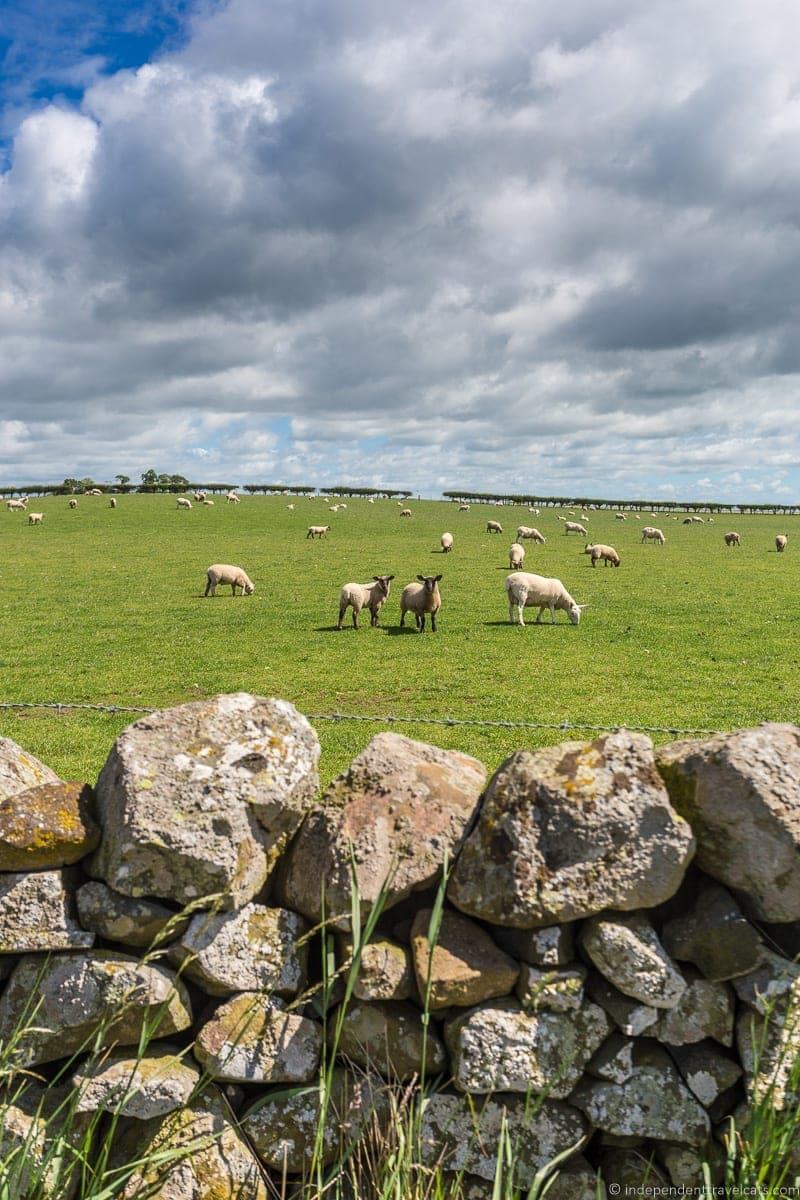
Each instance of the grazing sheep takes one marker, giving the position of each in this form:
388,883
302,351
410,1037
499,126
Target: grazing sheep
208,503
370,500
733,539
73,503
405,512
516,556
16,505
182,502
333,508
527,531
574,527
447,542
584,516
651,534
535,511
225,573
290,507
94,492
620,517
112,503
420,599
232,498
494,527
463,508
600,552
317,531
364,595
342,505
780,542
35,518
534,591
636,517
199,497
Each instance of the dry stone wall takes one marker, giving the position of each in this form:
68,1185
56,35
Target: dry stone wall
612,970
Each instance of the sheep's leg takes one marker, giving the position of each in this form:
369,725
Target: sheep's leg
433,622
421,623
355,617
521,619
539,618
208,588
374,613
552,613
402,618
511,611
233,589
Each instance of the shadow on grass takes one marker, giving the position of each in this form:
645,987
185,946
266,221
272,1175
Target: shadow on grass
401,631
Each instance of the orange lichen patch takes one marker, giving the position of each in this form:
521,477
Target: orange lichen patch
47,826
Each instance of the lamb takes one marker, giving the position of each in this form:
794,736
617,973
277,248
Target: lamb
225,573
420,599
636,517
182,502
532,591
317,531
208,503
16,505
333,508
463,508
780,542
35,518
232,498
600,552
574,527
494,527
516,556
527,531
651,534
112,503
405,512
290,507
199,497
733,539
535,511
370,500
94,492
364,595
620,517
73,503
447,542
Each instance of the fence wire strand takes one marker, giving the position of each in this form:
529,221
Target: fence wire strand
388,719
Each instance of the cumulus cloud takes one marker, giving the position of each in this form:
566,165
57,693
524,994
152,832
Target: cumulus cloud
542,247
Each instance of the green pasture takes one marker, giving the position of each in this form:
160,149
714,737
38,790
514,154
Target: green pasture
106,606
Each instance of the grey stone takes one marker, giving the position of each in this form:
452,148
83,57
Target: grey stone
551,946
741,793
625,948
392,818
118,918
48,826
630,1171
705,1010
768,1031
556,990
201,800
20,770
252,950
619,1056
384,970
684,1164
36,913
707,1071
501,1048
576,1179
569,831
464,966
772,988
388,1036
252,1038
630,1017
142,1086
714,935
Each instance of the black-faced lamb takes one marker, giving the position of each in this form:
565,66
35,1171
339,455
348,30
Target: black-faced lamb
364,595
420,599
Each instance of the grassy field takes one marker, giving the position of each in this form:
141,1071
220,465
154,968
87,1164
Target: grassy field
106,606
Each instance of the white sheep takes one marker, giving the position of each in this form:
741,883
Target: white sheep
535,511
636,517
651,534
516,556
16,505
232,498
463,508
94,492
182,502
733,539
290,507
208,503
35,518
527,531
447,542
494,527
73,503
534,591
317,531
420,599
333,508
574,527
112,503
405,512
599,553
364,595
199,497
620,517
780,542
225,573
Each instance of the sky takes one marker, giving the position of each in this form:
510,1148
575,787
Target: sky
549,247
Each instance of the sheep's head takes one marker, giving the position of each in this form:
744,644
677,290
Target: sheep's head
249,588
429,582
588,548
384,581
575,613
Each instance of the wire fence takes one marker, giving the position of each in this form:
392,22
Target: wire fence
387,719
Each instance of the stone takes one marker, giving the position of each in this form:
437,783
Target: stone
714,935
284,1129
569,831
741,794
193,1153
705,1010
36,913
618,1057
499,1047
464,967
118,918
252,1038
576,1179
551,946
48,826
392,818
252,950
82,996
628,1172
142,1086
768,1031
200,800
555,990
708,1072
388,1036
625,948
772,988
20,770
653,1102
630,1017
464,1136
684,1165
384,971
31,1117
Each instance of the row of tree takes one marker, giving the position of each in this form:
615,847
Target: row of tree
667,506
153,481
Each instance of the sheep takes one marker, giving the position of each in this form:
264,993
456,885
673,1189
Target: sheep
463,508
494,527
447,542
600,552
405,512
574,527
733,539
94,492
780,542
532,591
73,503
584,516
535,511
333,508
516,556
688,520
420,599
620,517
35,518
199,497
636,517
370,500
342,505
364,595
232,498
290,507
208,503
182,502
16,505
112,503
527,531
711,520
225,573
651,534
317,531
